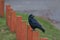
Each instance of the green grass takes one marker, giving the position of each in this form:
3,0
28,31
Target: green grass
5,34
51,32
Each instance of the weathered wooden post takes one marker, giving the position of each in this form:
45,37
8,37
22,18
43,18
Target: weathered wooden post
18,27
35,35
24,31
8,8
30,33
43,38
1,8
12,21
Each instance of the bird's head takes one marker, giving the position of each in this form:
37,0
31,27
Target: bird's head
31,15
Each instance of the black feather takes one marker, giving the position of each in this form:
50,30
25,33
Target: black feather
34,23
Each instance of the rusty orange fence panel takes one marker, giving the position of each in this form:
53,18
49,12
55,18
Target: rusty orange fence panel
35,35
43,38
24,31
9,14
18,27
30,33
13,21
8,7
1,8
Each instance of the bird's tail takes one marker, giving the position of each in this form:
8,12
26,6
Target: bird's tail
43,30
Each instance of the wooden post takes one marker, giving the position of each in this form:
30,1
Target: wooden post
1,8
24,31
8,7
13,21
18,28
30,33
9,14
35,35
43,38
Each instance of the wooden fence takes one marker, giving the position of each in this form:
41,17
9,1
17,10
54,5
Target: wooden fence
15,24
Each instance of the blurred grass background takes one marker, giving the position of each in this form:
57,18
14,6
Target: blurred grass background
51,32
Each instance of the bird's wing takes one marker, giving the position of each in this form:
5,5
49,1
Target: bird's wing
35,22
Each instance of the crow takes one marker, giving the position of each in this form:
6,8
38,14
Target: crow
34,23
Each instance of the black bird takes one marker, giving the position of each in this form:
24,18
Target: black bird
34,23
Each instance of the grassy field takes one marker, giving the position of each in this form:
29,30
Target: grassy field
51,32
